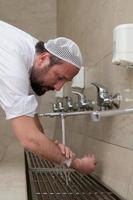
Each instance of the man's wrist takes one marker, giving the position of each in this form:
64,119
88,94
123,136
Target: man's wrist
76,163
72,162
67,162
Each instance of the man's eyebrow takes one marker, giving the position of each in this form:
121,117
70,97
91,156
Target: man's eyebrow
65,77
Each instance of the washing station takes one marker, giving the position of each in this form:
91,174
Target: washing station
48,182
51,182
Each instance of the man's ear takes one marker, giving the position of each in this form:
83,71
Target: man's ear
44,58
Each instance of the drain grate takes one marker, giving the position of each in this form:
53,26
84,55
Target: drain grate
48,182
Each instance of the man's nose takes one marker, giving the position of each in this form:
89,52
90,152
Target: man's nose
59,85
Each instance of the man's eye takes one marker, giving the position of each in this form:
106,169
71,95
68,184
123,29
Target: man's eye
60,78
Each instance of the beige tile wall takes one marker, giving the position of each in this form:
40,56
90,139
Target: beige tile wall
90,23
35,17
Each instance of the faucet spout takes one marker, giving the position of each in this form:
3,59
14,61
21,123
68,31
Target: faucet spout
100,88
83,103
104,100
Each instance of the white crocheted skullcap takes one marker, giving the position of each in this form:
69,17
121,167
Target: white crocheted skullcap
65,49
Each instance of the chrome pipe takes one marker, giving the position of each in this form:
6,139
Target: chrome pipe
63,129
95,115
50,114
65,114
109,113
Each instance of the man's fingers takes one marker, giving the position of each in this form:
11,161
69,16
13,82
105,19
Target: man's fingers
91,155
62,148
69,153
56,142
66,151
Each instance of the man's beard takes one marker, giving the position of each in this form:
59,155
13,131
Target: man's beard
38,87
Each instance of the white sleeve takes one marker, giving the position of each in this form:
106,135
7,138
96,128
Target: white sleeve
22,105
14,92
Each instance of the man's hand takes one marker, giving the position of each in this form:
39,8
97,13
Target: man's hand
31,138
86,165
66,151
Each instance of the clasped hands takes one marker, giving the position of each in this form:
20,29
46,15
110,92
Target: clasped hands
86,164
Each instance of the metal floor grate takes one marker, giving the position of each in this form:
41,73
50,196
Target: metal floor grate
48,182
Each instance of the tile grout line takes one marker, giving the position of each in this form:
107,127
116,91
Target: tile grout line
101,140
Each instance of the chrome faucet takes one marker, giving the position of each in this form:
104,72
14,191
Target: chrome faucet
69,104
83,103
58,106
55,107
104,100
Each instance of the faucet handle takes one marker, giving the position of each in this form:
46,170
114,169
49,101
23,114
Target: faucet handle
55,107
69,103
60,106
117,100
104,100
100,88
